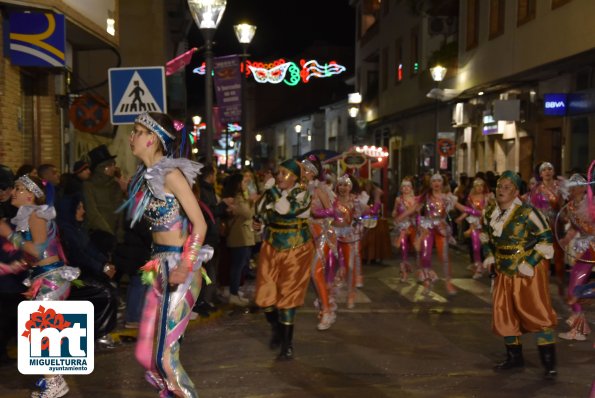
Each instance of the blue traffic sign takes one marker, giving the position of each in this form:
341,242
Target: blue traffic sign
136,90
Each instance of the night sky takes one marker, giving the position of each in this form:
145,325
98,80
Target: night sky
284,27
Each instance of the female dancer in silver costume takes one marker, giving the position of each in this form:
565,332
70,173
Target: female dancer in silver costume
36,235
161,191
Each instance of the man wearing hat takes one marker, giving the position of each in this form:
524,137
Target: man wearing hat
103,196
73,182
286,254
517,243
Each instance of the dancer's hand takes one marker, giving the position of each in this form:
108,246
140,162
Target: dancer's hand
178,275
526,270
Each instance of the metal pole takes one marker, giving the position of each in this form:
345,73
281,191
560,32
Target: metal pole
244,136
207,143
299,138
436,153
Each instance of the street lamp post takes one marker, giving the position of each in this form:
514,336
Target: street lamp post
244,33
207,14
353,102
438,72
298,130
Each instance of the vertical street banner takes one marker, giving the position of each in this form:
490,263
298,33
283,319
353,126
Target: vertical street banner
228,88
37,39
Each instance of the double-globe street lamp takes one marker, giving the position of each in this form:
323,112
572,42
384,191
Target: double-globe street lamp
207,14
244,33
438,72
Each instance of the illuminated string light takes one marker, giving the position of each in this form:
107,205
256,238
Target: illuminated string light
287,72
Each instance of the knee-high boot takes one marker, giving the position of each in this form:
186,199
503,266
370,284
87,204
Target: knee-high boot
514,358
286,342
547,353
272,317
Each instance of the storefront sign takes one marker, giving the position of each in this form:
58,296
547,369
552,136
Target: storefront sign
580,103
555,104
37,39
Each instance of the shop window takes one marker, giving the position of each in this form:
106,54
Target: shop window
525,11
472,34
496,18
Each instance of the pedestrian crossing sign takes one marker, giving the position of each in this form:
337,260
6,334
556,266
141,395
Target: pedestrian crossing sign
136,90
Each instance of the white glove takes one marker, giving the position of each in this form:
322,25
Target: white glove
488,261
525,269
269,184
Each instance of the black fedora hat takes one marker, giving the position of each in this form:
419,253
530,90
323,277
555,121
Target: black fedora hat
98,155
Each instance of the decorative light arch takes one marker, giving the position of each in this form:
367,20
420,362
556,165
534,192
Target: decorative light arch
287,72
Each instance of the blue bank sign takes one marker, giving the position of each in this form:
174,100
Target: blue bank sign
569,104
555,104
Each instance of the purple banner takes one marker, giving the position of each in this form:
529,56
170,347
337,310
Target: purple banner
228,88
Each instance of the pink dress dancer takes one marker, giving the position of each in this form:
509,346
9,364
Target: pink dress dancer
580,244
405,215
477,201
547,197
348,210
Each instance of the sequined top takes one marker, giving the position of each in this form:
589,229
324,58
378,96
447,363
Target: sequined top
164,215
547,199
401,206
51,247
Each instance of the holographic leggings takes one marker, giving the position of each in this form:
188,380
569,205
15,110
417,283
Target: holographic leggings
165,317
441,247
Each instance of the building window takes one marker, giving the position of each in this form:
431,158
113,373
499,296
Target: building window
472,24
559,3
414,51
399,60
525,11
384,69
496,18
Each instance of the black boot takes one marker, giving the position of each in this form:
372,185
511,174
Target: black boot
547,353
286,343
273,320
514,358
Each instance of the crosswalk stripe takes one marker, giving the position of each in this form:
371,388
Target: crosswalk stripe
477,288
413,291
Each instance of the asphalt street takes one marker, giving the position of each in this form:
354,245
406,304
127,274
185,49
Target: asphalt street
396,342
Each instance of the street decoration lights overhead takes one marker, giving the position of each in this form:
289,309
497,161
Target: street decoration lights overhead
288,72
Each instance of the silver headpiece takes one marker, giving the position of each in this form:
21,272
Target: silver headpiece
545,165
309,166
164,136
437,176
576,180
31,186
344,179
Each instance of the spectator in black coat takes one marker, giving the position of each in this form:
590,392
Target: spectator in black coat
96,269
